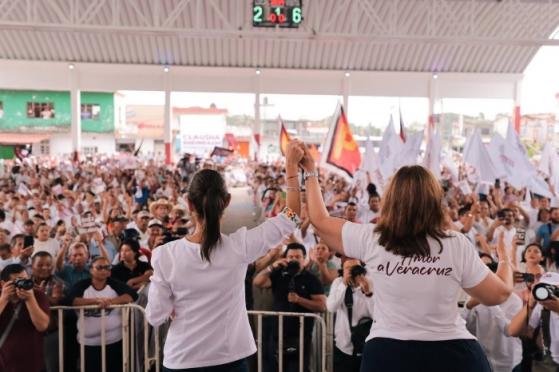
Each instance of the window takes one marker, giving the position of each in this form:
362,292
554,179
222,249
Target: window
40,110
89,150
90,112
44,147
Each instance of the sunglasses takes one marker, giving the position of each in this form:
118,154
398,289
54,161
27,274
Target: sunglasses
103,267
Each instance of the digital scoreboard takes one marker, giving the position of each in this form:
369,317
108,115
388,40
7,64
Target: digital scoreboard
277,13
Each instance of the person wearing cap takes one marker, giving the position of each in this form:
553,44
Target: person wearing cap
156,231
540,319
140,224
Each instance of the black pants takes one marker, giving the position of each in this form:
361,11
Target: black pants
237,366
346,363
389,355
113,358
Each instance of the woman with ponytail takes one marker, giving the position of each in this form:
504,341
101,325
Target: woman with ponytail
200,278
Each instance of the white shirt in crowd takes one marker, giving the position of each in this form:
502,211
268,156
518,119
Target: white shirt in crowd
490,325
416,298
365,215
92,320
211,325
51,246
553,329
362,307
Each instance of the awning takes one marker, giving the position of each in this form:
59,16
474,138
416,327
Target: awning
22,138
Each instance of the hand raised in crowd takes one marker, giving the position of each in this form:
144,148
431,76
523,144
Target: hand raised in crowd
294,152
307,162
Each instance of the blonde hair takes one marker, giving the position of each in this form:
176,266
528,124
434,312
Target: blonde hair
411,210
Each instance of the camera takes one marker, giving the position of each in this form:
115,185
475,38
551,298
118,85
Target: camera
544,291
25,284
291,269
357,270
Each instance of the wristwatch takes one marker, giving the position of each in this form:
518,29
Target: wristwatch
313,173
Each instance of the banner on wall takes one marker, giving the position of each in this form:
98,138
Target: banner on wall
200,134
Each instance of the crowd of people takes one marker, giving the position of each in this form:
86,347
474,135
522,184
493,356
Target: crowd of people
97,233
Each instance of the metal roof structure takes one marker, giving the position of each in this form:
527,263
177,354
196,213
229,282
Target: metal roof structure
461,36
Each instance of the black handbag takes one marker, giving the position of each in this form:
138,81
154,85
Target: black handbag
359,332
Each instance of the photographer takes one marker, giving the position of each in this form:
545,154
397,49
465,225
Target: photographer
24,316
540,318
295,289
351,291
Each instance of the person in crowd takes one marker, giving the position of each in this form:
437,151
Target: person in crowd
113,240
545,232
490,324
410,255
540,320
76,268
24,316
43,242
140,224
189,274
370,215
321,265
6,256
156,235
130,269
350,212
53,288
349,291
295,289
105,292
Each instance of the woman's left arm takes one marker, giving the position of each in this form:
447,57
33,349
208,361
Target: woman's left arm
160,295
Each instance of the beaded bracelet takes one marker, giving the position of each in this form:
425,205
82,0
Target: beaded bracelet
288,212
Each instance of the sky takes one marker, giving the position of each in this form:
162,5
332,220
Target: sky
540,84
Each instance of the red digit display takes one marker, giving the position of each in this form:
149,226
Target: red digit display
277,13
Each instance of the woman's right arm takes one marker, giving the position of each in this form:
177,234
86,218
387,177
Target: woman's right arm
328,228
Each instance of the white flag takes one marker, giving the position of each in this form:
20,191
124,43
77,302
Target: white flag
371,164
390,150
410,150
495,154
432,159
548,160
478,157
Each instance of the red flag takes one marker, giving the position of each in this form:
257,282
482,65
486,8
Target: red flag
402,132
343,150
284,139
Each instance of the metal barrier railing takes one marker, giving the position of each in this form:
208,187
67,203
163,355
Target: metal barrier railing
128,313
322,331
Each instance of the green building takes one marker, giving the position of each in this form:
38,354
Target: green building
26,114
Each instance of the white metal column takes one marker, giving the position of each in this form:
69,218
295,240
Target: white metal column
167,128
345,93
75,108
257,130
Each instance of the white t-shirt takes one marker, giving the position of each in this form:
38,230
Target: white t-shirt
490,325
211,325
416,298
51,245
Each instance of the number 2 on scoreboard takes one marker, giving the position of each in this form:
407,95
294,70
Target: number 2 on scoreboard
257,14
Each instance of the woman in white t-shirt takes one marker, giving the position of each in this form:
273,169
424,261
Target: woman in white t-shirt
200,279
418,269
